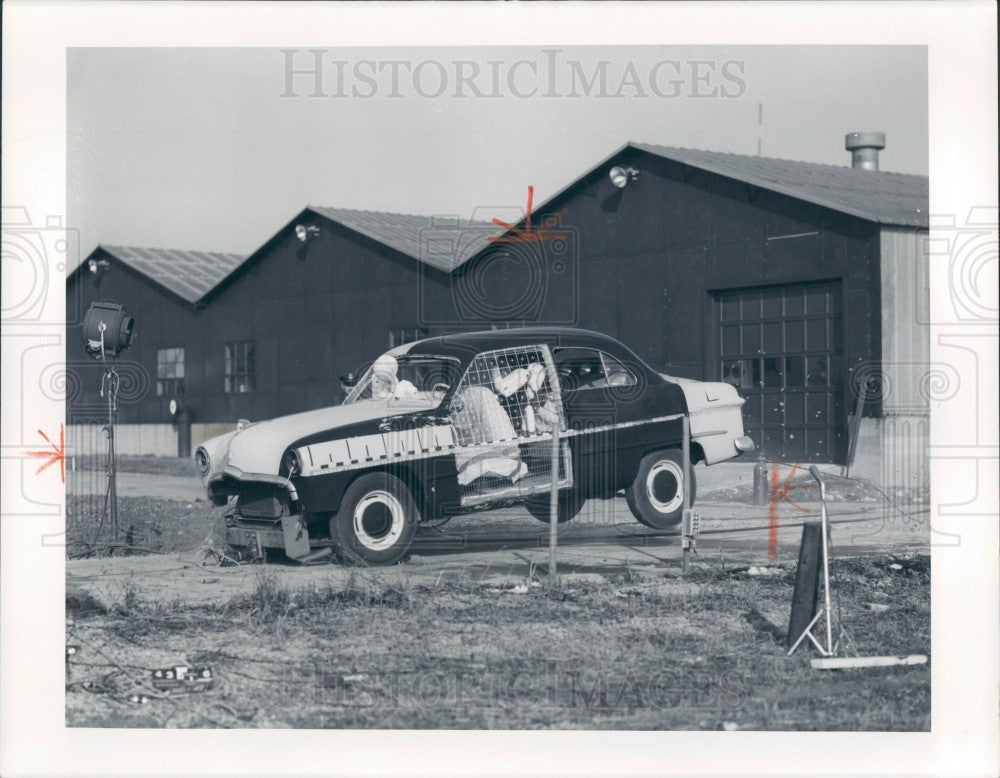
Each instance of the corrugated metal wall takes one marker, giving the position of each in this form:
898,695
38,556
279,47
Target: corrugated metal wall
906,364
88,441
908,376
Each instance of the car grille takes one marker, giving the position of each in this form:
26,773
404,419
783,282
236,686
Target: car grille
263,501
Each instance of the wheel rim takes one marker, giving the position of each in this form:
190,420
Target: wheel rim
665,486
378,520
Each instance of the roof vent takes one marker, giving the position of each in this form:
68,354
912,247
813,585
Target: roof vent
864,148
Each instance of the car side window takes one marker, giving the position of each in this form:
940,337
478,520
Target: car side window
586,368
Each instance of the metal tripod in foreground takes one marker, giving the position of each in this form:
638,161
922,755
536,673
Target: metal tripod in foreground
829,648
829,660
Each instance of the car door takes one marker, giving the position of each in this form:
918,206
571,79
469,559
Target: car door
502,413
598,393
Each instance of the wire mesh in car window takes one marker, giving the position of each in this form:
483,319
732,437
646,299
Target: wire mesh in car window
519,381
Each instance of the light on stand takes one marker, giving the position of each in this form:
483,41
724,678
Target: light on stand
107,332
107,329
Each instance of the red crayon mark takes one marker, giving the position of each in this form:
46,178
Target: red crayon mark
55,454
525,234
779,493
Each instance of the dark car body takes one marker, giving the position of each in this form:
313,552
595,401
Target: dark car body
481,435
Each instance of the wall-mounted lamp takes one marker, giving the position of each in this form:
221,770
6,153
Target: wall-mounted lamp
620,176
306,233
98,266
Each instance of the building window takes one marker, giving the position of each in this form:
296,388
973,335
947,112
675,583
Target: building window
241,367
406,335
169,372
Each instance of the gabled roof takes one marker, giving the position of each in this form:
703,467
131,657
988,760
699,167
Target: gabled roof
446,243
188,274
877,196
441,242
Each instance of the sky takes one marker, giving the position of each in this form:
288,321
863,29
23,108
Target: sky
216,149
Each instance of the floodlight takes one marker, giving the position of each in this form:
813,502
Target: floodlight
306,233
620,176
107,329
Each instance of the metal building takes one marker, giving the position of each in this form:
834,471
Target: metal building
800,283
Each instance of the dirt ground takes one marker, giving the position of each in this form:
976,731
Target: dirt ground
633,651
502,547
473,601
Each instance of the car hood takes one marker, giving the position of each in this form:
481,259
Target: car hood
257,448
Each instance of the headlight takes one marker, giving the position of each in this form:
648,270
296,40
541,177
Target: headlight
744,444
202,461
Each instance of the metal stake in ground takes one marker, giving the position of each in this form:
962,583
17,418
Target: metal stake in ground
687,530
554,504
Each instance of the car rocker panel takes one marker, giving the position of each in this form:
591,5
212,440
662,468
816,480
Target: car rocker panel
482,437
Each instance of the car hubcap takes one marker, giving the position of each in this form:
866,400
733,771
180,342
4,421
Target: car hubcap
378,520
665,486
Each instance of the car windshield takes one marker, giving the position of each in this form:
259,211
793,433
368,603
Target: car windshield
406,377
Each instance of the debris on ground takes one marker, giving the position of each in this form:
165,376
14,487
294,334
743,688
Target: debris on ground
764,570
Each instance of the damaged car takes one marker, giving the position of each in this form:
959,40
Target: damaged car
451,424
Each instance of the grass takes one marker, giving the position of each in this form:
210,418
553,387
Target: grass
146,525
701,652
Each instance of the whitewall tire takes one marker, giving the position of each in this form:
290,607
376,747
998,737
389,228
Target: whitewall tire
656,496
376,521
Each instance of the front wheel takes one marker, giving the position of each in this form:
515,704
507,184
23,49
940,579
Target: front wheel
656,496
376,521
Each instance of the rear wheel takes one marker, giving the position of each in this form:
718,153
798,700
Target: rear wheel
656,496
570,503
376,521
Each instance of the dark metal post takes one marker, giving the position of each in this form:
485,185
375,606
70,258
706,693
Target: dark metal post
761,492
687,533
183,433
554,505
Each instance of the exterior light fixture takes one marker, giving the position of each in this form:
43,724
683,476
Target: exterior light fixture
620,176
98,266
306,233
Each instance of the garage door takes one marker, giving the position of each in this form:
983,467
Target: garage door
782,347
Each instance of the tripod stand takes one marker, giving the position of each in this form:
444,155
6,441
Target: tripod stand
109,384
